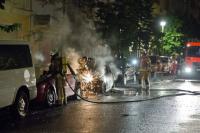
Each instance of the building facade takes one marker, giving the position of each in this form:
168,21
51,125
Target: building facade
16,12
184,8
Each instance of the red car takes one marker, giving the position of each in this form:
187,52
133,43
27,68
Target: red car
46,88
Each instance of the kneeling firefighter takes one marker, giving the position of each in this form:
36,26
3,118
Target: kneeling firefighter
144,70
56,70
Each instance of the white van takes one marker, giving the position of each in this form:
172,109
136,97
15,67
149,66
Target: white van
17,77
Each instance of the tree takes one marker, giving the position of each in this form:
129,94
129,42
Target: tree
172,37
128,22
144,23
120,23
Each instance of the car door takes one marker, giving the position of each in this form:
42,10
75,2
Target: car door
70,83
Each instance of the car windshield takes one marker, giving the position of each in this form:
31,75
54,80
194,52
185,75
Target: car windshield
153,59
164,59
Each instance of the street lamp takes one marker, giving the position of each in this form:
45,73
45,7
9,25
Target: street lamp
162,24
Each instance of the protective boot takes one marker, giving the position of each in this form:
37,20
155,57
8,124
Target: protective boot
147,84
139,90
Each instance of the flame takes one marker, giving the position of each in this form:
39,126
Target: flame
90,81
87,77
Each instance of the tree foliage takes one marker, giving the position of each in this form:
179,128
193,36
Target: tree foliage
172,37
125,23
121,23
144,23
2,2
11,27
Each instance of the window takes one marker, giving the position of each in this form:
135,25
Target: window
22,4
14,57
41,19
193,51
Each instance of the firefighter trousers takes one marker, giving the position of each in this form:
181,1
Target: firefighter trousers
144,76
60,89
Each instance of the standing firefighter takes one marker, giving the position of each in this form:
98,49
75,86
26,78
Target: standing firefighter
55,69
144,70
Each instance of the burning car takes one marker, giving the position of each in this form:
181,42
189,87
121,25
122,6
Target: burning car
93,82
86,82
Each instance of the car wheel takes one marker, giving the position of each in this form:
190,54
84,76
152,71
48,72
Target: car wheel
21,105
50,97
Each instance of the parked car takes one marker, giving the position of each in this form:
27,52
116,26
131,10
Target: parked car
46,88
165,64
155,63
17,77
108,79
130,74
72,85
160,64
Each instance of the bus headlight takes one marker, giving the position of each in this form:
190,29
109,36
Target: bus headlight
188,69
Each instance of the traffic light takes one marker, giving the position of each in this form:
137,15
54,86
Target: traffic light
2,2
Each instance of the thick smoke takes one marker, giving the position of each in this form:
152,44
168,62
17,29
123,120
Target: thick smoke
75,36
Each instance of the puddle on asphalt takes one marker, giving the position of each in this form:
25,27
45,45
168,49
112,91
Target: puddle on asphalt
129,92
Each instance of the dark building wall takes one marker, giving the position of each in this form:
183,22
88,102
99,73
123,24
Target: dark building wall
184,8
194,10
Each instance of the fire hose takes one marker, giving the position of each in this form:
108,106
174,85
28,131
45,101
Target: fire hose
185,92
140,100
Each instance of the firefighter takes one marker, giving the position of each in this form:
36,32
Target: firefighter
144,70
174,65
55,69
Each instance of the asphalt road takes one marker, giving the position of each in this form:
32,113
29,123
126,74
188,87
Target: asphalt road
169,107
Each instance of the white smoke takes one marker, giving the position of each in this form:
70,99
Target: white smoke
75,36
39,56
